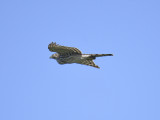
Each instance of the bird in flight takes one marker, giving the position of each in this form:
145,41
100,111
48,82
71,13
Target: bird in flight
68,55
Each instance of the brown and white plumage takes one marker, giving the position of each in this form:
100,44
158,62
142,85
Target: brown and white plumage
68,55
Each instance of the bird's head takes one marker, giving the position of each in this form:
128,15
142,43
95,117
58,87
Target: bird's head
54,56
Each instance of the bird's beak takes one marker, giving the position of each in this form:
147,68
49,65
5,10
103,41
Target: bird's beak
50,57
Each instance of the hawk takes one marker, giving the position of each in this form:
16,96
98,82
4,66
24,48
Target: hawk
68,55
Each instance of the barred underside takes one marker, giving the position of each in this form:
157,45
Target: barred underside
76,59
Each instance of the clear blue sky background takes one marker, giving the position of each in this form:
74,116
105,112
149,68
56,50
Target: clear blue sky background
34,87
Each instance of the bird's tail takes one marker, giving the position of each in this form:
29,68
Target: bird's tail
93,56
100,55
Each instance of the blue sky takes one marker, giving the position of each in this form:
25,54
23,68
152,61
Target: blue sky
34,87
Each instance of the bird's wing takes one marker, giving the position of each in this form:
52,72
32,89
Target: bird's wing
63,50
89,62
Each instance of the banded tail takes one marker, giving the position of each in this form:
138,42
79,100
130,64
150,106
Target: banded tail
100,55
93,56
